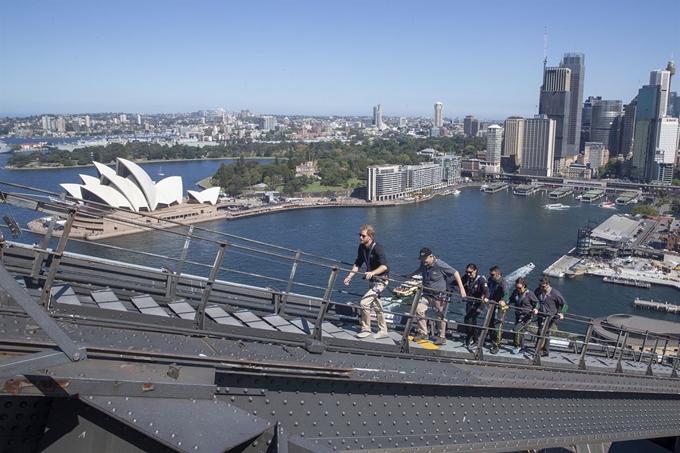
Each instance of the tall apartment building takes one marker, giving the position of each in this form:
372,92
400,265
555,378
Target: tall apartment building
384,182
586,117
377,117
627,129
538,146
494,139
667,149
604,114
267,123
575,62
438,114
555,103
512,143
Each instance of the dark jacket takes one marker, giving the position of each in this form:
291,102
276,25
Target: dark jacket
523,303
551,303
373,257
476,289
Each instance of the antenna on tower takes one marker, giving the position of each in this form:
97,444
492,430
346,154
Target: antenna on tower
545,47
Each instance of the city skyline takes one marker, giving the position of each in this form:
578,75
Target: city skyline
315,58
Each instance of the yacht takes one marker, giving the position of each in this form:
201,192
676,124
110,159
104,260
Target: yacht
607,205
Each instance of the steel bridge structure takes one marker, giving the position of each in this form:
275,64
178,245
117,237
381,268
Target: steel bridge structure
165,352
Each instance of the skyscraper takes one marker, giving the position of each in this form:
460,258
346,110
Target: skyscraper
494,138
377,117
644,144
514,135
575,61
586,117
603,116
555,103
471,126
662,79
438,114
538,146
628,128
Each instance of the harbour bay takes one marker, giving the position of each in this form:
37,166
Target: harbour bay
486,229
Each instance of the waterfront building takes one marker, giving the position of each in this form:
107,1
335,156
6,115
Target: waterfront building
604,114
555,103
438,114
494,139
575,62
538,146
390,182
512,143
377,117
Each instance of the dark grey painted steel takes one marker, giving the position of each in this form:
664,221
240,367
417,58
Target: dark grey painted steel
193,425
28,363
21,297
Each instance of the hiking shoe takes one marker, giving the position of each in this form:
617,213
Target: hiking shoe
379,335
545,353
494,350
472,344
440,341
420,337
516,350
364,334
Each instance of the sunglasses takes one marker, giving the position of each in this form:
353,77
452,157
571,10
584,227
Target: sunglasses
362,235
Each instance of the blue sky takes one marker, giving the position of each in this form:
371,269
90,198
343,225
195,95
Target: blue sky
322,57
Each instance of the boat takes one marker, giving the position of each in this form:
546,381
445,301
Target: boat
160,171
520,272
406,289
456,192
483,187
556,206
607,205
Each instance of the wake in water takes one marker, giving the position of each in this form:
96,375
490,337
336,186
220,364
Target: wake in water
521,272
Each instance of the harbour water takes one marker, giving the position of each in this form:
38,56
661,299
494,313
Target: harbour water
486,229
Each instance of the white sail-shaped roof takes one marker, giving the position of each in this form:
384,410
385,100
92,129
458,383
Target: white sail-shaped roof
103,169
73,190
129,190
107,194
205,196
87,179
169,190
142,180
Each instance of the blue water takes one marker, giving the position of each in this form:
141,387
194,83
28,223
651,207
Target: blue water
486,229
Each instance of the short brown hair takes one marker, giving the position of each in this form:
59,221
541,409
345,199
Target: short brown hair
369,230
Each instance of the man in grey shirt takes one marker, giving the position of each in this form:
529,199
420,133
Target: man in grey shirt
434,272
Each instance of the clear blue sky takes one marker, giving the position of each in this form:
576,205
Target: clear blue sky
321,57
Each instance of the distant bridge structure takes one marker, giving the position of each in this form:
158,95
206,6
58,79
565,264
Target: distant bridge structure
162,352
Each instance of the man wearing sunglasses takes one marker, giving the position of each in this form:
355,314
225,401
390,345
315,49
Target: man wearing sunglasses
373,255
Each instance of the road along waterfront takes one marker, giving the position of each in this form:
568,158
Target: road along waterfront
477,227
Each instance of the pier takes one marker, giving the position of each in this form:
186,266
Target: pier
560,193
592,195
526,189
627,282
658,306
495,187
627,198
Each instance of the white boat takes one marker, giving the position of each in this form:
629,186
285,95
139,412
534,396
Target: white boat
483,187
607,205
556,206
160,171
456,192
520,272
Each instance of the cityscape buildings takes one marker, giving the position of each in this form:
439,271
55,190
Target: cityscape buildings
377,117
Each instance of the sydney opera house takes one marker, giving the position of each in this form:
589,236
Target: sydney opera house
136,203
130,187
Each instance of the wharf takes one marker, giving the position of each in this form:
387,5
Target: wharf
592,195
627,198
526,189
659,306
560,193
565,266
496,187
627,282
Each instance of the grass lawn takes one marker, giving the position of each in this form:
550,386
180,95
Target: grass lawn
316,187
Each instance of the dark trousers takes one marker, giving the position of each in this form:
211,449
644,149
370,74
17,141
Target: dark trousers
496,327
471,329
522,321
544,343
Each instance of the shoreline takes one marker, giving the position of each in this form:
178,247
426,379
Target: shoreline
152,161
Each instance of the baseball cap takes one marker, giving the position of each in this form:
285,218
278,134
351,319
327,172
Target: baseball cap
424,253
